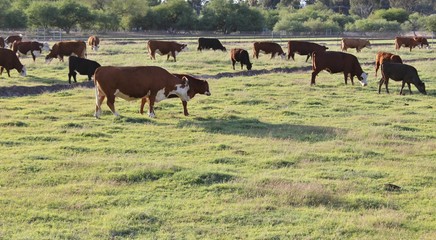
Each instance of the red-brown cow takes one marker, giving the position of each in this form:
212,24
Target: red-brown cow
356,43
422,41
2,42
240,55
165,48
335,62
195,86
267,48
66,48
130,83
406,42
382,57
35,48
304,48
93,42
8,61
11,39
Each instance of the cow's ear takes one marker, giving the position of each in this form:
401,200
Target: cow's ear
185,81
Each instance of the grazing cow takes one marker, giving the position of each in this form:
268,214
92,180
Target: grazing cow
9,60
93,42
335,62
66,48
195,86
35,48
406,42
210,43
382,57
165,48
130,83
267,48
81,65
240,55
358,44
422,41
304,48
2,42
11,39
400,72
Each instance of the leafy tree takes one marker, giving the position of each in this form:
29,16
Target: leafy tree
363,8
431,23
271,17
15,18
174,14
379,25
71,14
105,21
42,14
392,14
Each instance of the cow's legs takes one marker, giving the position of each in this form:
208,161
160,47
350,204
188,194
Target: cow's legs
346,78
185,108
242,66
173,53
410,90
143,101
402,86
377,66
152,55
33,55
233,64
314,73
307,59
7,70
1,70
386,84
151,100
273,55
111,104
380,83
98,101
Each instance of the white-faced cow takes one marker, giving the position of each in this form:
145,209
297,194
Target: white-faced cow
94,42
400,72
34,48
11,39
304,48
131,83
66,48
405,42
356,43
81,65
336,62
382,57
196,86
267,48
9,60
210,43
422,41
240,55
165,48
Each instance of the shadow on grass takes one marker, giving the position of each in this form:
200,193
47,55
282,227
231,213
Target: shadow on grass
255,128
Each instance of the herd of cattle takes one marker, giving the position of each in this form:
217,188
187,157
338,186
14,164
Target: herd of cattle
154,84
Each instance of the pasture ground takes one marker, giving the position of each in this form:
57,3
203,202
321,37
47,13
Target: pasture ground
266,156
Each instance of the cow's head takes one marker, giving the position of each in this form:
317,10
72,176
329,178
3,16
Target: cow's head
421,87
249,65
184,47
283,55
48,59
94,48
182,89
224,49
23,71
363,79
368,44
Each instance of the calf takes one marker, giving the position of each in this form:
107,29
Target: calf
267,48
93,42
210,43
304,48
335,62
358,44
400,72
240,55
130,83
82,66
9,60
164,48
382,57
35,48
406,42
195,86
66,48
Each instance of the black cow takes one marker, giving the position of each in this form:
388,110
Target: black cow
82,66
210,43
240,55
400,72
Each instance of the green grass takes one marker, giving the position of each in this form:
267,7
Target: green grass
264,157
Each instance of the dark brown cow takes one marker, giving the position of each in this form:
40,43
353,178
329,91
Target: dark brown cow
304,48
130,83
406,42
267,48
11,39
240,55
35,48
195,86
2,42
165,48
93,42
356,43
335,62
422,41
210,43
8,61
382,57
66,48
400,72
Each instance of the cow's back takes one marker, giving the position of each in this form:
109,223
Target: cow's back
333,61
69,47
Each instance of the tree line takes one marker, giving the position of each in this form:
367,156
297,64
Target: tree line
225,16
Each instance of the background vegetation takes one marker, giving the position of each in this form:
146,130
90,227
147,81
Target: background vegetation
225,16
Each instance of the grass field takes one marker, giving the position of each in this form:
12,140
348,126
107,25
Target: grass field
266,156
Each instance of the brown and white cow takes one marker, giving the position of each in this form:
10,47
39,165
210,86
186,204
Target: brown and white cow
66,48
2,42
304,48
165,48
356,43
131,83
336,62
195,86
422,41
11,39
94,42
8,61
382,57
400,72
409,42
35,48
267,48
240,55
